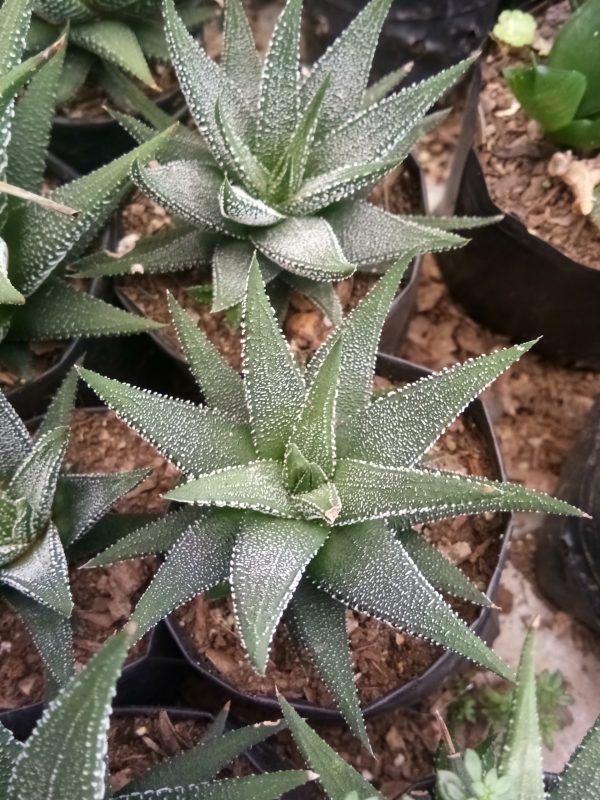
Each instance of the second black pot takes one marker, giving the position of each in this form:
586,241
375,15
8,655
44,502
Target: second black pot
486,624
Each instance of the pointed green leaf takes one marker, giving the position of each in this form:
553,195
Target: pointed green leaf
347,64
240,160
15,17
222,387
378,132
231,265
60,409
151,39
521,758
115,42
240,60
337,777
451,223
8,294
77,67
319,623
81,500
58,311
178,248
306,246
157,536
581,776
322,503
257,485
549,95
64,756
187,189
42,574
269,558
274,385
123,87
110,529
255,787
369,491
314,430
50,631
30,128
9,750
366,568
15,441
198,561
194,438
46,238
240,207
378,90
440,572
203,83
16,77
398,428
361,331
203,762
337,185
36,477
279,95
372,237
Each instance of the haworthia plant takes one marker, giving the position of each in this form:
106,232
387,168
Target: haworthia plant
283,164
516,774
43,514
294,479
36,242
65,756
106,35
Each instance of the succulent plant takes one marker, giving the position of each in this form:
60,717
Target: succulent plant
43,514
65,756
515,774
36,242
303,489
108,35
563,92
283,165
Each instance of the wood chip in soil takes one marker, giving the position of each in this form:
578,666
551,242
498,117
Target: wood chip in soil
104,598
515,157
384,658
138,743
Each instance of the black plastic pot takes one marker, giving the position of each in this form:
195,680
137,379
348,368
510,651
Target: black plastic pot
510,280
32,398
393,332
425,788
87,144
432,33
568,551
486,624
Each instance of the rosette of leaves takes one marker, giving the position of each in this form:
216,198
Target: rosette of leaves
563,92
36,242
283,164
302,489
107,35
65,756
44,515
514,774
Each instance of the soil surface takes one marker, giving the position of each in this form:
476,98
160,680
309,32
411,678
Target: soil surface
383,657
135,744
515,156
104,598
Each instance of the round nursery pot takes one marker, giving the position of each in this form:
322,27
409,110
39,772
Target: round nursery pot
511,280
433,33
568,551
87,144
396,324
425,788
32,398
447,664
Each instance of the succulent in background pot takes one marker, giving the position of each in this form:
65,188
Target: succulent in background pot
547,245
302,491
40,769
515,773
282,164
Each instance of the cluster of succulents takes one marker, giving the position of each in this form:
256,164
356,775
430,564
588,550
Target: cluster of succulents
301,487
